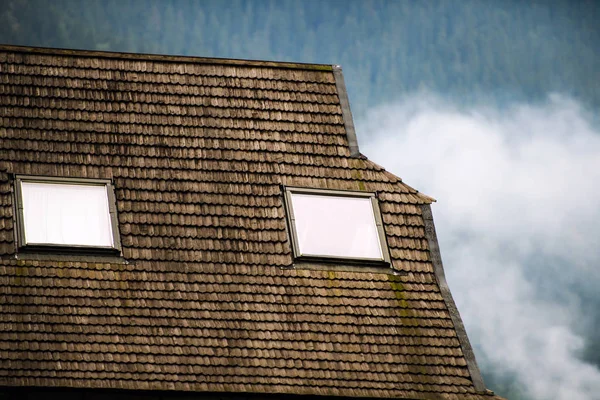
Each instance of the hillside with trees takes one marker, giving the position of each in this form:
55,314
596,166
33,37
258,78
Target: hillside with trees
470,50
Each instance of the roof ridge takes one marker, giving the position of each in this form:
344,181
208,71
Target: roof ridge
165,58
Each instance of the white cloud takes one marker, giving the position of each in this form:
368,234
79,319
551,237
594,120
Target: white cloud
517,216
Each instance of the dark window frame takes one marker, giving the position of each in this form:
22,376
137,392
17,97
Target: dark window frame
293,235
22,245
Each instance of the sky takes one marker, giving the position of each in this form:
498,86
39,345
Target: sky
516,216
515,170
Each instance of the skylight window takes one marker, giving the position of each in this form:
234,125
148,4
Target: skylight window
66,213
336,225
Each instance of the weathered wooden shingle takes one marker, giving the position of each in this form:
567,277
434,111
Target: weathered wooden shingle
198,151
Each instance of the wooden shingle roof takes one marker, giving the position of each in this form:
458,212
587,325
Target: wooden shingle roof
207,297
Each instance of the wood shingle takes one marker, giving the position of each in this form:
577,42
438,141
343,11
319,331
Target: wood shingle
206,296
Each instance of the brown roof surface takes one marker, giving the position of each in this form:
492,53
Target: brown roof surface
207,301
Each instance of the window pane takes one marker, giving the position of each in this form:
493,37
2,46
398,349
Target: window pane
66,214
336,226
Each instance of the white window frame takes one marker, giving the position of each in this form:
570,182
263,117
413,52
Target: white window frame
291,222
20,225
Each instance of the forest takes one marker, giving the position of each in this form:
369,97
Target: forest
472,50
